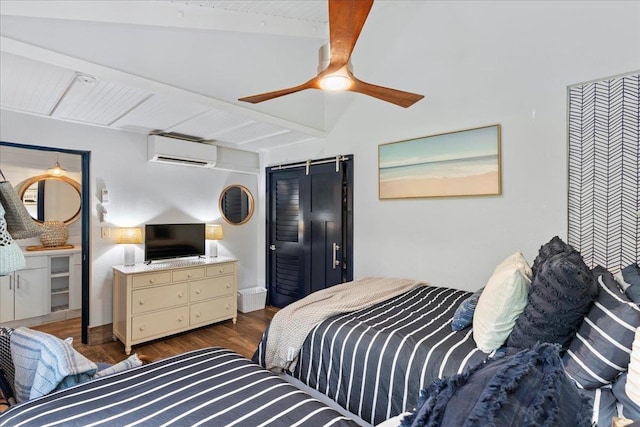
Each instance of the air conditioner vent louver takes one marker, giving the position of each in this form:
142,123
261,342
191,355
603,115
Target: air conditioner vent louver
164,159
181,152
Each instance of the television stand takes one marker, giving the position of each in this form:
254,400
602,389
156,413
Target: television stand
152,301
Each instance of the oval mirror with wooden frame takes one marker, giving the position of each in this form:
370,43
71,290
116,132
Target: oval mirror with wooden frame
52,198
236,204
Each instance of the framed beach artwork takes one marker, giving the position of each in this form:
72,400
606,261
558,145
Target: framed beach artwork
462,163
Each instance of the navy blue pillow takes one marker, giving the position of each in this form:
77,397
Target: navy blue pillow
528,388
602,346
560,295
631,275
629,409
553,247
463,317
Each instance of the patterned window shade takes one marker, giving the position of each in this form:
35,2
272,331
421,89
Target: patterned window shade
604,171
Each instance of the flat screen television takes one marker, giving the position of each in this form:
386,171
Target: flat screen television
163,241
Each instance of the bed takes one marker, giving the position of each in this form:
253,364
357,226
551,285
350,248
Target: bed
375,361
212,386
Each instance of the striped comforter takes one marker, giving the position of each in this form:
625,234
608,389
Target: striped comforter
375,361
208,387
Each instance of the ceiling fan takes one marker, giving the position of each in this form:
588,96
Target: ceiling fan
346,19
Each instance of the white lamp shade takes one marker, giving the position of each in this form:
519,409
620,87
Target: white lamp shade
632,387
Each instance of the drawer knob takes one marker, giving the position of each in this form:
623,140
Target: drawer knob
228,286
141,302
198,314
189,276
198,291
179,294
228,306
142,328
180,319
152,281
221,270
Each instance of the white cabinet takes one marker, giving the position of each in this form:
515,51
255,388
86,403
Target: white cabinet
6,298
156,300
65,279
24,293
51,282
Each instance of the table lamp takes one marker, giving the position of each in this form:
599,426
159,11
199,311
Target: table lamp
213,232
129,237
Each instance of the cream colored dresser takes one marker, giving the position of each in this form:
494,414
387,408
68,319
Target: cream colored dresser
163,298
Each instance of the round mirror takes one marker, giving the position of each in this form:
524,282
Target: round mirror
236,204
51,198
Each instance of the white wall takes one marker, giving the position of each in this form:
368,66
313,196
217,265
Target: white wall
483,63
139,192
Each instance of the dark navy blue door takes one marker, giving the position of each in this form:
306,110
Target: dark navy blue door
308,229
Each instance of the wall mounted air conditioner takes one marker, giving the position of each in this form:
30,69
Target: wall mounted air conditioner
163,149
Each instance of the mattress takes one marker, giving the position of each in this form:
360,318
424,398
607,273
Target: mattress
213,386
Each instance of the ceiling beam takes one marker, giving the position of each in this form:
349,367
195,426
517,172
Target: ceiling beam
163,14
110,74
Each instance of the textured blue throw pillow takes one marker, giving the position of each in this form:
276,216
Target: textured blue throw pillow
553,247
561,293
528,388
463,317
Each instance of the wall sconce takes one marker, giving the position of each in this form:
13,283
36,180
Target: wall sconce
129,237
213,232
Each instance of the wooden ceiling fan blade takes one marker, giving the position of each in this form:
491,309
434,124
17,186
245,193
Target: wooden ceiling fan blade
346,19
395,96
254,99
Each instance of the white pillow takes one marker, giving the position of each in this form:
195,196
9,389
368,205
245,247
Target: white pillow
502,301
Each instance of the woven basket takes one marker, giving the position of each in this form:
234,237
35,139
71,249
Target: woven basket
54,233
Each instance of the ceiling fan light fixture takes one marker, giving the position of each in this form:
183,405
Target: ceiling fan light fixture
336,82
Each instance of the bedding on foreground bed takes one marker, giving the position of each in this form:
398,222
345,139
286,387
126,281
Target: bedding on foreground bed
210,387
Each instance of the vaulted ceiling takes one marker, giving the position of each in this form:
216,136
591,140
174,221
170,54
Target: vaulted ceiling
171,66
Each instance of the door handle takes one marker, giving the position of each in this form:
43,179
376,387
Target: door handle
336,261
272,247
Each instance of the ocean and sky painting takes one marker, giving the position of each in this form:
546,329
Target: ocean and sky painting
464,163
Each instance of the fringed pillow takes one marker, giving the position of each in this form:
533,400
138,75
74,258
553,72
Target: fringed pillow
528,388
561,293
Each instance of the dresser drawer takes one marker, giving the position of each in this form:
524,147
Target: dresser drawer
207,311
192,273
159,323
223,268
212,288
151,279
150,299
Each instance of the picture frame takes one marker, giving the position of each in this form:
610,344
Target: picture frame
463,163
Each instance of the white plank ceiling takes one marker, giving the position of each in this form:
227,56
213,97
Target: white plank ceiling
54,63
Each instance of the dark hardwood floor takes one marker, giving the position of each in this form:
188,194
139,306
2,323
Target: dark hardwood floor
243,337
